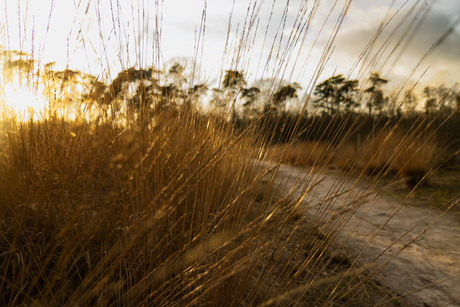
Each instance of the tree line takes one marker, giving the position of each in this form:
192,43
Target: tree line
140,90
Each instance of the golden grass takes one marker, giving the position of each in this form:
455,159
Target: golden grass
397,152
388,151
301,154
176,211
88,206
417,158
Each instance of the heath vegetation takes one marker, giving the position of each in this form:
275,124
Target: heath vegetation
153,189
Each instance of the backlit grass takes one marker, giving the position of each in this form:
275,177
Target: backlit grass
115,199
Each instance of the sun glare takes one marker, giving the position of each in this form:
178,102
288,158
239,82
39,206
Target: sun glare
23,103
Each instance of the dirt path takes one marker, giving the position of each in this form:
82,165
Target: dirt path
422,255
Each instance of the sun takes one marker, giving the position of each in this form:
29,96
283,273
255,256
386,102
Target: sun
22,103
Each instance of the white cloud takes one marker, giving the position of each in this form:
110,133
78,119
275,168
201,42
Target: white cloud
100,43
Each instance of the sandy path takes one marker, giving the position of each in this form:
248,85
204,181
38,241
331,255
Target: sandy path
432,257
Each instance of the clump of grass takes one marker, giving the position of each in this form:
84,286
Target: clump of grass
345,157
91,211
302,153
417,158
174,212
377,152
391,151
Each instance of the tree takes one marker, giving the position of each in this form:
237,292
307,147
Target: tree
457,101
178,80
409,100
179,73
217,98
440,97
177,70
129,75
69,88
94,91
251,94
17,63
143,96
185,92
333,92
431,100
68,80
233,82
233,79
168,94
377,99
283,94
197,89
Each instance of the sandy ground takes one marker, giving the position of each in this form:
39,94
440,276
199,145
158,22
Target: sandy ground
423,245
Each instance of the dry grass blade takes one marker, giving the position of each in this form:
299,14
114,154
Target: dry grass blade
302,290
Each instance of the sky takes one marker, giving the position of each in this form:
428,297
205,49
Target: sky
297,41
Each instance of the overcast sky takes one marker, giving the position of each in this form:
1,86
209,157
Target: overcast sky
102,37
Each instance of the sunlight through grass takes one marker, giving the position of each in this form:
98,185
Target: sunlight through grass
23,103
